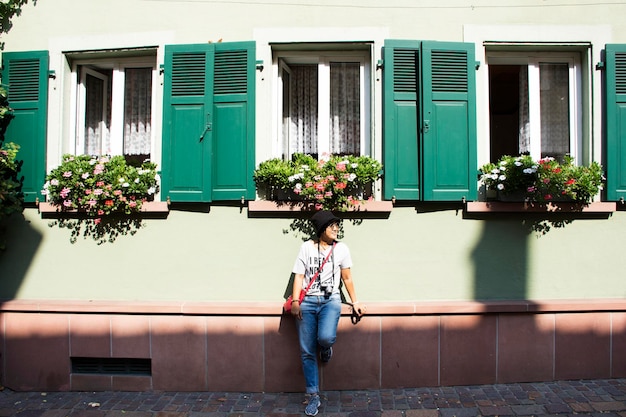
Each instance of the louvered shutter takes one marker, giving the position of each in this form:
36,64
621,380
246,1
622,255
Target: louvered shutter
208,122
449,121
615,55
234,126
400,109
25,76
186,116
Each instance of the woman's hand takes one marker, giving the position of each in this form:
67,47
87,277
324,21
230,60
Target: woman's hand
358,308
295,309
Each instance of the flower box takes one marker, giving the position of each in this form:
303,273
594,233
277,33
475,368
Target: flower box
337,183
521,179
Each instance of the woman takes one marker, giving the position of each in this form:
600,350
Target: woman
318,316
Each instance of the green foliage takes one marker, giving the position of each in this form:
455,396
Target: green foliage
335,183
544,180
11,197
100,186
8,9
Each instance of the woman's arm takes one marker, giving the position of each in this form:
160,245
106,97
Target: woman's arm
346,277
295,295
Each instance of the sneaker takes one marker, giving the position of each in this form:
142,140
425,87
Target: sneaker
326,354
313,405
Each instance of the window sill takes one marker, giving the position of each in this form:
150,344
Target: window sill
554,207
366,209
149,210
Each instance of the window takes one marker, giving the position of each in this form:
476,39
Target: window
535,105
324,103
114,106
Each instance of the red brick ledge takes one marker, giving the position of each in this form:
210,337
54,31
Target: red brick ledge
146,207
400,308
273,206
555,207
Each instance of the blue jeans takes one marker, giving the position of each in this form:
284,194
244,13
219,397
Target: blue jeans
320,316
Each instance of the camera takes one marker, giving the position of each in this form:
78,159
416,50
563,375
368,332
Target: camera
327,288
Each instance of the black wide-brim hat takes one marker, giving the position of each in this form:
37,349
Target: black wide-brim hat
322,219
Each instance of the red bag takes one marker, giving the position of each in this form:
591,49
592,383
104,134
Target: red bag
287,305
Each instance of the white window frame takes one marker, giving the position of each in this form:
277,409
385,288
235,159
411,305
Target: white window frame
116,130
532,60
323,60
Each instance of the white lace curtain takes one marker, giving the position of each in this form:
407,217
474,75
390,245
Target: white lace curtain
554,109
137,111
95,128
344,117
303,109
345,108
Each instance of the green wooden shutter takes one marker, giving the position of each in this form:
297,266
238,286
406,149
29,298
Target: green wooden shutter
449,121
208,122
186,122
400,108
25,76
234,126
615,55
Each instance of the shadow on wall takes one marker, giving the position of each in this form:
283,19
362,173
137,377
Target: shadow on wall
22,242
501,261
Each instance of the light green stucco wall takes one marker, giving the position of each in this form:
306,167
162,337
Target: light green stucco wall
225,255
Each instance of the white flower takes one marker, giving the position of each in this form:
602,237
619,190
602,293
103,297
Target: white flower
495,171
125,184
298,186
518,163
351,177
502,177
354,165
500,186
151,190
121,180
136,180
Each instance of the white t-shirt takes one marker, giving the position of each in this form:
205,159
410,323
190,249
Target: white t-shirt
309,259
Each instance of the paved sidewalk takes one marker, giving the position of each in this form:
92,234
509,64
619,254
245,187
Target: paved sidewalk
604,398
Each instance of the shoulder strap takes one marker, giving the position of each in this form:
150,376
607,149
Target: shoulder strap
314,277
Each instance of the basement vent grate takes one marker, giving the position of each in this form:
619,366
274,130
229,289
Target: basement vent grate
111,366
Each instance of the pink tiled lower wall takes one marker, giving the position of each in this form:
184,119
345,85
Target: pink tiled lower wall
206,348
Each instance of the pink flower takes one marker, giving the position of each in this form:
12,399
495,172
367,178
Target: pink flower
132,204
100,212
67,203
64,192
117,192
67,174
97,221
340,166
97,191
319,196
547,197
92,203
319,206
340,185
87,191
100,183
